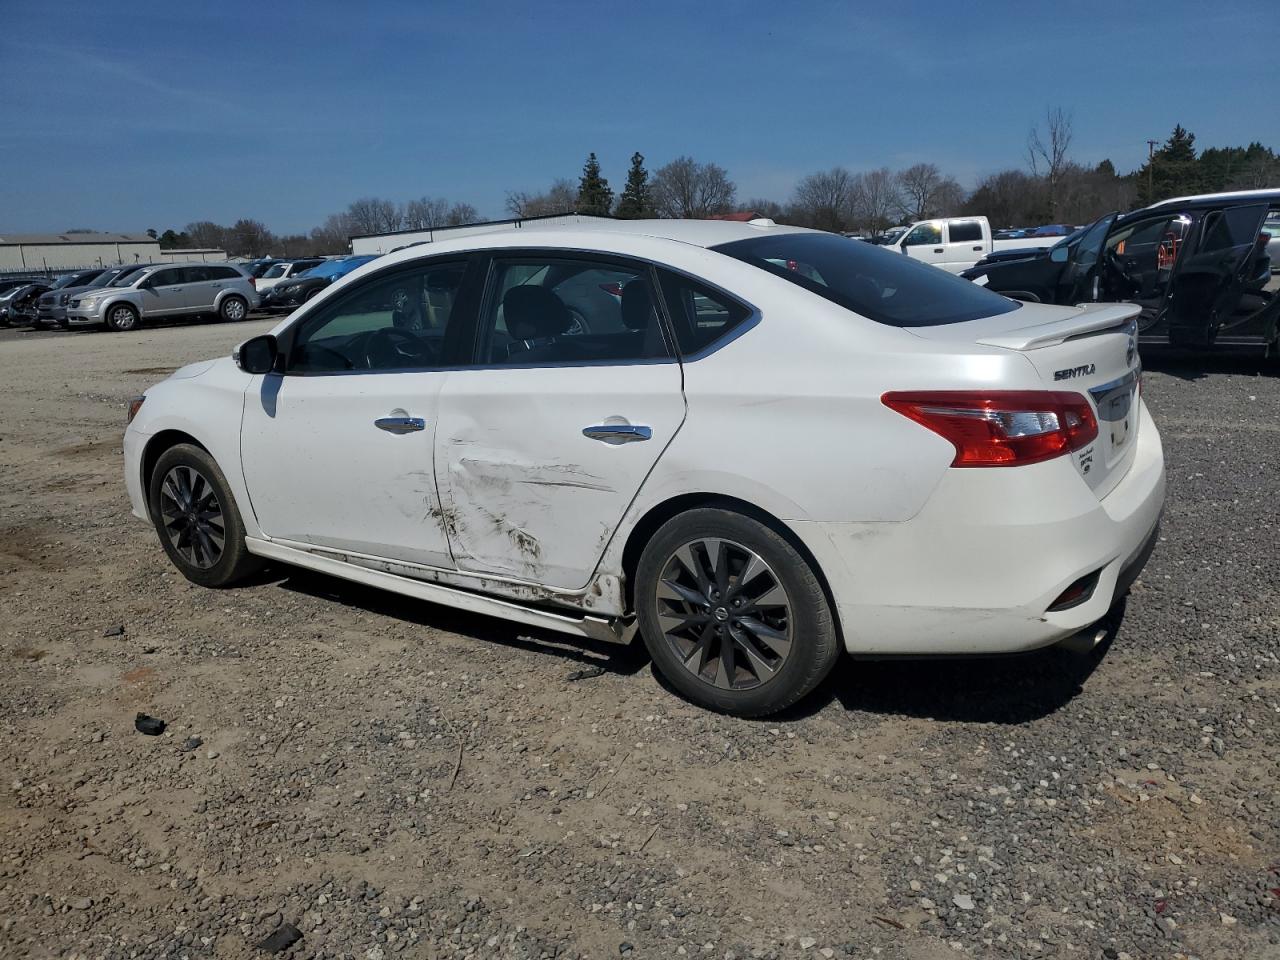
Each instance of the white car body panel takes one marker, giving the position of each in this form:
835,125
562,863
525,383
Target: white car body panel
785,416
957,255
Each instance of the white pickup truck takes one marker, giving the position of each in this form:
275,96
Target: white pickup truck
956,243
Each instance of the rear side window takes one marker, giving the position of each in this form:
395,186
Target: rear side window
878,284
224,273
699,314
964,231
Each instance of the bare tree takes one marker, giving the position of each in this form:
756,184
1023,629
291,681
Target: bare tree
825,200
332,235
1047,153
373,215
688,189
461,213
425,213
766,208
249,238
206,233
876,201
562,197
924,192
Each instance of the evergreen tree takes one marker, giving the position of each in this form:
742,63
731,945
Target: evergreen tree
635,202
594,196
1172,171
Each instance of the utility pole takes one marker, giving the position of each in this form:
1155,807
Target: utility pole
1151,165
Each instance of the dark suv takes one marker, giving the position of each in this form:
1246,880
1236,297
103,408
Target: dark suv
1199,267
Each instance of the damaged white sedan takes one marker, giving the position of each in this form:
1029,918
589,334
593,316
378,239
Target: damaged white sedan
758,444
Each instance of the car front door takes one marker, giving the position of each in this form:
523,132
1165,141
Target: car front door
925,242
337,445
573,394
165,293
1213,277
1081,277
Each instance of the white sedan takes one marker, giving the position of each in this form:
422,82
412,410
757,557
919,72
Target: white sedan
756,444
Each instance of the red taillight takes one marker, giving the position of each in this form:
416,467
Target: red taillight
613,288
1001,428
253,282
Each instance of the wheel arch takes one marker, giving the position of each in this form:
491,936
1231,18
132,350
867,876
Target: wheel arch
155,448
658,514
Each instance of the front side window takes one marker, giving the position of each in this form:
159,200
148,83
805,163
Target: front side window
876,283
397,322
552,310
965,231
924,234
166,278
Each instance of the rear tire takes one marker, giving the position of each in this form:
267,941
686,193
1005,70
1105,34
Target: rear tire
196,518
121,317
732,614
233,309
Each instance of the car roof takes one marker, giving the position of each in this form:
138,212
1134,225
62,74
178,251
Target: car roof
1208,199
699,233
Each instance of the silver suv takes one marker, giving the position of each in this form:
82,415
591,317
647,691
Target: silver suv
166,290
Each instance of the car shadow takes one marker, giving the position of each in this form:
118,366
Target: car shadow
1197,366
1007,690
614,658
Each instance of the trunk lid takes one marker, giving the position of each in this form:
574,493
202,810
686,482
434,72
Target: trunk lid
1091,350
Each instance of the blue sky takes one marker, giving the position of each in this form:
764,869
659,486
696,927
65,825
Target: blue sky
124,117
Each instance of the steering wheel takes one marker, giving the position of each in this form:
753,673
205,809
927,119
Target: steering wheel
394,347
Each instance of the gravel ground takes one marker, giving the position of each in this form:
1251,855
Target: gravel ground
385,777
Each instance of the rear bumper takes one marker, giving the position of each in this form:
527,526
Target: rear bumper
976,571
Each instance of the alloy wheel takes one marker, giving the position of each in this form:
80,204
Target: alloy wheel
192,516
725,613
122,318
234,310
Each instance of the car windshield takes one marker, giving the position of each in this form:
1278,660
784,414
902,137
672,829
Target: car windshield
276,271
878,284
126,278
66,281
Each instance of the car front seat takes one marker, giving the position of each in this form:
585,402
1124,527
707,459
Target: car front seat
641,318
537,319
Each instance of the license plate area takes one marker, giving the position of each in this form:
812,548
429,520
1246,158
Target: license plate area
1117,413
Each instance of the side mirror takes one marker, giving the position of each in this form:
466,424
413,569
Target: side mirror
1059,254
903,245
257,354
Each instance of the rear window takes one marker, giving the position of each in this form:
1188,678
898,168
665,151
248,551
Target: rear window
881,285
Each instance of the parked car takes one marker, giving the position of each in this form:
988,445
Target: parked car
1200,269
1054,230
889,237
65,282
165,290
301,288
18,303
760,465
957,243
51,308
8,283
284,270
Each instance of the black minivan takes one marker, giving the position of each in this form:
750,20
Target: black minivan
1200,268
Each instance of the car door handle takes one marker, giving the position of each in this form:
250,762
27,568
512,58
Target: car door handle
616,433
400,424
977,249
937,249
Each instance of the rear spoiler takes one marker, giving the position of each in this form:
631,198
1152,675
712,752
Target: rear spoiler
1092,318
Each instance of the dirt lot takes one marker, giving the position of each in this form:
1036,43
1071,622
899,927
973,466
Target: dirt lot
394,778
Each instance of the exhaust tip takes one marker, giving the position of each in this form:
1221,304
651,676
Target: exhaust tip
1086,641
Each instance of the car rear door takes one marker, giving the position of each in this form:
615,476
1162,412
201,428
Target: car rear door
571,397
1211,280
165,292
964,246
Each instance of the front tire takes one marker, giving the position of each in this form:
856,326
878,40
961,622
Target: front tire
733,616
121,317
196,518
233,309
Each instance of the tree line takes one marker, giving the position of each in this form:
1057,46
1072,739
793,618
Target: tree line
1051,187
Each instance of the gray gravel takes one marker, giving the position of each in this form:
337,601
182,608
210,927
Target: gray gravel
393,778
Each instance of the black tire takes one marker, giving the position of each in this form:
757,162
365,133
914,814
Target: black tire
121,317
811,642
310,294
233,561
233,309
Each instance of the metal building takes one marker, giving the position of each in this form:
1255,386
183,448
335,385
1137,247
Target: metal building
201,254
378,243
44,252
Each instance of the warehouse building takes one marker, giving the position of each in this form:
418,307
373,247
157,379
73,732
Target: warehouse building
379,243
44,252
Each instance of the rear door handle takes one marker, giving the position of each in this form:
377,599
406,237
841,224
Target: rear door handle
937,249
616,433
400,424
977,249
